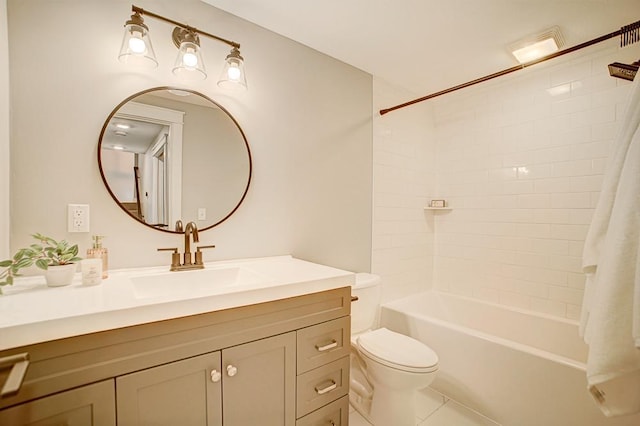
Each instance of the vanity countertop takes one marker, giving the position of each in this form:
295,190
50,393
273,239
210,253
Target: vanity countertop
31,312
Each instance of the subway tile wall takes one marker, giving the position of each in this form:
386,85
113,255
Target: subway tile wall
520,161
404,154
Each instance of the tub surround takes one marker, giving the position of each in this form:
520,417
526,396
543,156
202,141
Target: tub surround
34,313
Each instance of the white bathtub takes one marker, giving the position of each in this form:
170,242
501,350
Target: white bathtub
515,367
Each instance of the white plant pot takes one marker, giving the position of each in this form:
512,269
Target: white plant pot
60,275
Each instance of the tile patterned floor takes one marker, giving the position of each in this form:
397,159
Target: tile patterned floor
434,409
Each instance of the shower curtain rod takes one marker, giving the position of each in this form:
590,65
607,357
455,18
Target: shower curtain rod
628,34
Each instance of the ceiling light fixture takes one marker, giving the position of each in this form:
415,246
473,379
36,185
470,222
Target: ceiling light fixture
538,45
136,49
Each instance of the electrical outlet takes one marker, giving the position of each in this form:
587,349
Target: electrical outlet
78,218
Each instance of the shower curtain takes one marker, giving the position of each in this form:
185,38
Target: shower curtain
610,320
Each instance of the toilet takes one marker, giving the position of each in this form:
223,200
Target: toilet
387,368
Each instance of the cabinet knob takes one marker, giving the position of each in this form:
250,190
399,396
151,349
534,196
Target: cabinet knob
231,370
215,376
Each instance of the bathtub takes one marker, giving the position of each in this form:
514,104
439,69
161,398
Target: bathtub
516,367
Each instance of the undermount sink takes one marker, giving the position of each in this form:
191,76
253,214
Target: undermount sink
209,281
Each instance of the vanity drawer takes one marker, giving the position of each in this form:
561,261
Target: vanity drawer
322,385
323,343
334,414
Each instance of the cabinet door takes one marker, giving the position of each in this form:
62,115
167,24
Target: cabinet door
185,393
91,405
259,382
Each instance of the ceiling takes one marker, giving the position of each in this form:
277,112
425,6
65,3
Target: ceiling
426,45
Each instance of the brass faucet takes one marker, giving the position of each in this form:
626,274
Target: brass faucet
190,231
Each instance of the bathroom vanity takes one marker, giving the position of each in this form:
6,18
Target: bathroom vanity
259,341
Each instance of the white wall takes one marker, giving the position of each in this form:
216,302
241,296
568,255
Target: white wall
4,134
521,161
404,159
307,118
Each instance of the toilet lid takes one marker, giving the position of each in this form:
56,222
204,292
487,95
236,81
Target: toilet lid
398,351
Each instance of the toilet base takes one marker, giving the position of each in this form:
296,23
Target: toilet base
392,407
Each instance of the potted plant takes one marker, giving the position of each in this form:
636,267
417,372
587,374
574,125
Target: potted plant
56,257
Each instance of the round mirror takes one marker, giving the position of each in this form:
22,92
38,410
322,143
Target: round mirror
171,156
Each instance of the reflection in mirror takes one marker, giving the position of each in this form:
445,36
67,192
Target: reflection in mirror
169,155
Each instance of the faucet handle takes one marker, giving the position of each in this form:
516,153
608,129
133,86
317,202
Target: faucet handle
199,253
175,256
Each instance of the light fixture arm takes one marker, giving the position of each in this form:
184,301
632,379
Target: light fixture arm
141,11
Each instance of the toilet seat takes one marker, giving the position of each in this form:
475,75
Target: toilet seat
398,351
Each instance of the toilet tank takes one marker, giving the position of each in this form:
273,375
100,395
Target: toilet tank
365,309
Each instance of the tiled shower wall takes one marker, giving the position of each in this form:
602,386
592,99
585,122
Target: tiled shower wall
521,161
403,178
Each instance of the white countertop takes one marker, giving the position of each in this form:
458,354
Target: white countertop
31,312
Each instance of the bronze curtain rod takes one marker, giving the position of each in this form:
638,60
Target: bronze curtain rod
628,34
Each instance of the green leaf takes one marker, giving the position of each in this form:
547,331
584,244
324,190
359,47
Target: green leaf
74,249
23,263
9,280
40,237
20,254
42,264
6,263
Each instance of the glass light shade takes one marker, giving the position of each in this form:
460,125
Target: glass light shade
136,46
189,64
233,75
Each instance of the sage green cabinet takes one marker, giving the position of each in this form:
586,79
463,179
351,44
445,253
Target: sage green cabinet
90,405
179,393
248,384
259,382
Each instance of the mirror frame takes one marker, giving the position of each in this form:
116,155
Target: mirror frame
154,89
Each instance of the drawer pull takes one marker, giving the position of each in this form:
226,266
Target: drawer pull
332,386
333,344
19,364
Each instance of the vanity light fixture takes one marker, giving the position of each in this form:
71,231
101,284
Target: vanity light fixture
136,48
189,63
538,45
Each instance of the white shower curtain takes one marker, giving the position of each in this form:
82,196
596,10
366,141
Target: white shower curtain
610,322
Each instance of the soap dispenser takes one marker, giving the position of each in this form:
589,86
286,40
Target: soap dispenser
99,252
